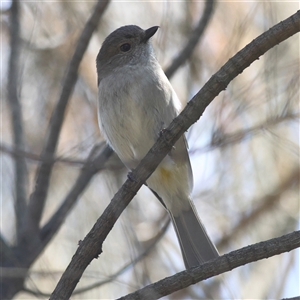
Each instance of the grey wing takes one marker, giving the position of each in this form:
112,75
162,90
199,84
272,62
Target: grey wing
179,154
162,109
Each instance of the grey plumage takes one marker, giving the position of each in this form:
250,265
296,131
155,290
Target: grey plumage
137,101
195,244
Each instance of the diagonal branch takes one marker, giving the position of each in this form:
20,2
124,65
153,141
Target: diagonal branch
38,197
195,37
218,266
91,246
92,166
16,117
152,243
266,203
220,140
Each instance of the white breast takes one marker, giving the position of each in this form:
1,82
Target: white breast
135,103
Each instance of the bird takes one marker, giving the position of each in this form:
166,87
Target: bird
136,102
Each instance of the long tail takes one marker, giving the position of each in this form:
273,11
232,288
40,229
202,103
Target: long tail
196,246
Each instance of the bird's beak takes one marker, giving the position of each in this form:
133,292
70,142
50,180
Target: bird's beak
149,33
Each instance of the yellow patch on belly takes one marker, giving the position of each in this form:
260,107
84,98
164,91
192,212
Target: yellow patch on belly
165,174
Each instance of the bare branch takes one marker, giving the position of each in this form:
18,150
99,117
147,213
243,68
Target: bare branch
152,243
92,166
10,279
91,246
223,140
6,253
218,266
265,204
217,141
16,118
195,37
35,157
38,197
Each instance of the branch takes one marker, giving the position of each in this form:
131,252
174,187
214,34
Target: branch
218,266
16,118
91,246
13,151
92,166
218,141
195,37
265,204
6,252
38,197
152,243
222,140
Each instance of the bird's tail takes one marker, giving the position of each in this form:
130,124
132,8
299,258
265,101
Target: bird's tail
196,246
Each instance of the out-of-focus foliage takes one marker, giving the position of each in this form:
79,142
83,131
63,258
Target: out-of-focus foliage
244,150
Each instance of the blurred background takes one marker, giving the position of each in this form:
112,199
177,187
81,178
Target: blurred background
244,150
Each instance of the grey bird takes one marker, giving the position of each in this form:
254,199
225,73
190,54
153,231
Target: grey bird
136,102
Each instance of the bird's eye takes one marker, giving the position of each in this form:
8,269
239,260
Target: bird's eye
125,47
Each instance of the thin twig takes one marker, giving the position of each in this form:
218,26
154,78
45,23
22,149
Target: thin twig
265,204
194,39
16,118
222,140
13,151
91,246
